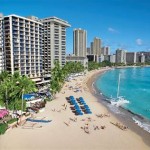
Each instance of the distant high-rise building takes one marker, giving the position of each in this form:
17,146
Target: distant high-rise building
107,57
88,50
146,55
23,45
1,15
120,56
92,48
97,46
101,58
141,58
130,57
54,43
105,50
79,42
113,58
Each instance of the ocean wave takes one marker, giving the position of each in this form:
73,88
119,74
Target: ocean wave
143,125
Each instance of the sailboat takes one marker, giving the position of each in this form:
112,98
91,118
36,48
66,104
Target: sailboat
119,101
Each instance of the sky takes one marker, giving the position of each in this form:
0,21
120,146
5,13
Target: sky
118,23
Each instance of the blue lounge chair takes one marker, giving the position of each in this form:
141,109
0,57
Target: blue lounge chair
88,111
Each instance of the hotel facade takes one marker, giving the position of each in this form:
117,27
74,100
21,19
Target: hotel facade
23,45
30,45
120,56
54,43
80,42
97,46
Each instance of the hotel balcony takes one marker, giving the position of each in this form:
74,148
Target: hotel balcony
22,33
21,29
15,24
6,21
7,45
7,33
14,32
16,53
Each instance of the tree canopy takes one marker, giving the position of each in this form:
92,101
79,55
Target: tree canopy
12,87
59,74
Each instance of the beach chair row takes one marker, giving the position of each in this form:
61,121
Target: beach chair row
79,106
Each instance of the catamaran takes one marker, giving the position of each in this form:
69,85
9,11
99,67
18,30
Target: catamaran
119,101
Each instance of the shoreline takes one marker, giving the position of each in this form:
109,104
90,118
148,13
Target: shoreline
67,131
127,119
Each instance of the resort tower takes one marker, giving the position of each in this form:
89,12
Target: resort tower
105,50
79,42
97,46
54,43
120,56
23,45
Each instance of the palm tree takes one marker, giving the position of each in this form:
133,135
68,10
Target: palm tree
5,81
56,78
22,85
25,84
12,88
59,74
4,75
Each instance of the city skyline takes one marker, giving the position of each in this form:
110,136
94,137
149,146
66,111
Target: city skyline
119,23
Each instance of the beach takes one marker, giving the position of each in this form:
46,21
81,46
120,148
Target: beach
66,131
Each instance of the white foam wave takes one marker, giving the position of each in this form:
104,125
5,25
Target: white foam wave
120,101
145,126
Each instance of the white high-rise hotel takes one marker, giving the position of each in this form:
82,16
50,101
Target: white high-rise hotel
79,42
30,45
23,45
54,43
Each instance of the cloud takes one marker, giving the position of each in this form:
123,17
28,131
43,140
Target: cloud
112,30
139,42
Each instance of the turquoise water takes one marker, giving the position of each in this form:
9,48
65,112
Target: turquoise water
134,86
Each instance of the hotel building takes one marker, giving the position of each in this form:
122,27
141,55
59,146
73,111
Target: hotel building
113,58
82,60
97,46
88,50
54,43
23,45
120,56
2,59
105,50
79,42
130,57
141,57
91,47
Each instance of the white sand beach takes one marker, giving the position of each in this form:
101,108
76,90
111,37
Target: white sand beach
67,131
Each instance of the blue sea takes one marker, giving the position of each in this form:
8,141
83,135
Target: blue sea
134,87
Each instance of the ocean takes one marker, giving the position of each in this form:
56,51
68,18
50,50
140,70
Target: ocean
134,87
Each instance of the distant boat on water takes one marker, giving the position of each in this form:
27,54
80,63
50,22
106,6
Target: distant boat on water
120,100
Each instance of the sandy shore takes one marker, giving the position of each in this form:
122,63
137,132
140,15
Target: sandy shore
66,131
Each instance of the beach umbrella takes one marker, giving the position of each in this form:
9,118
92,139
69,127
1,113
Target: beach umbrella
81,98
86,106
88,112
76,106
83,103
